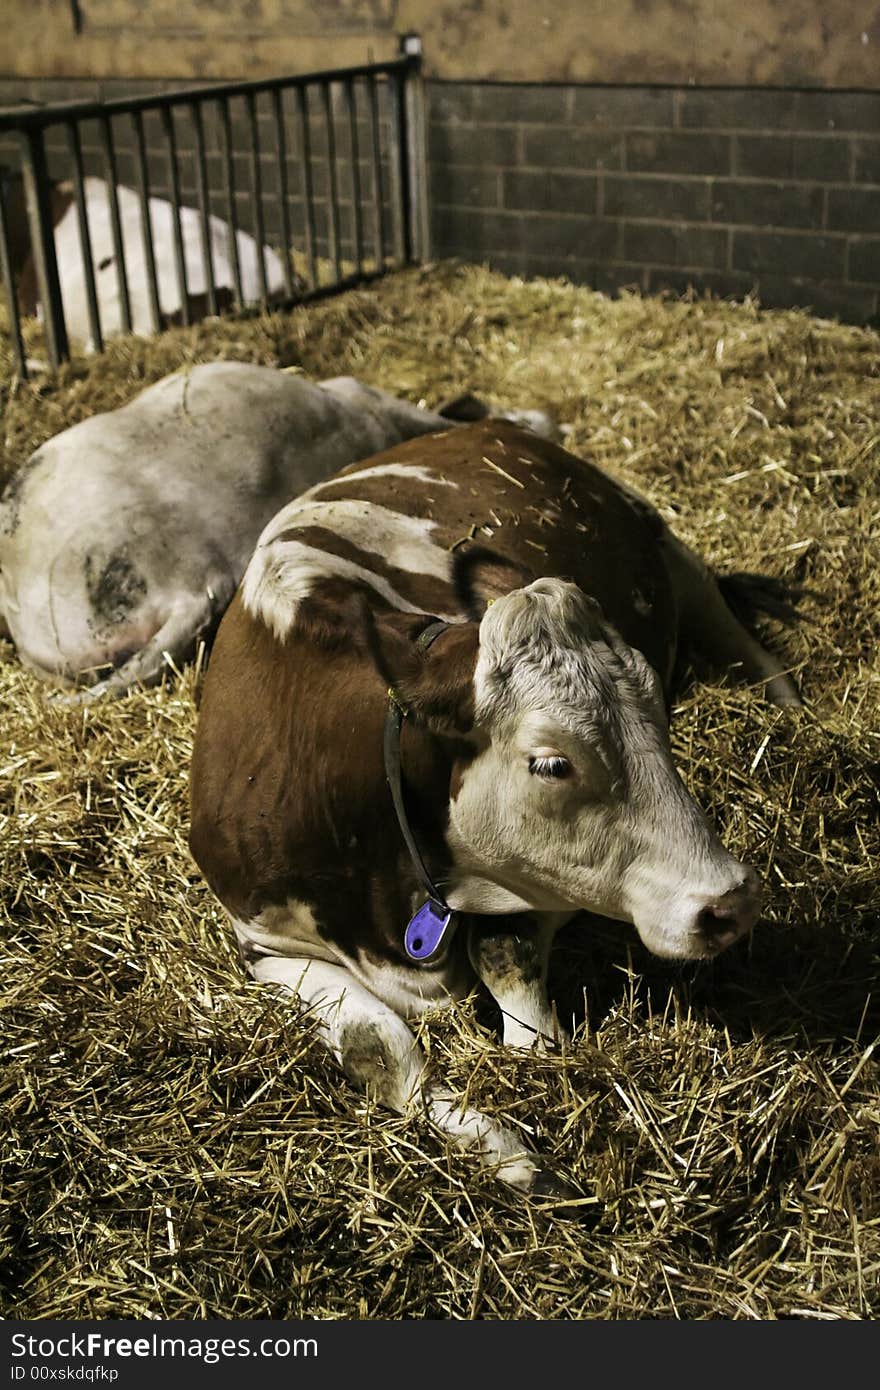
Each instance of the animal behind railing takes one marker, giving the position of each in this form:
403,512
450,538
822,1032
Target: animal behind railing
133,214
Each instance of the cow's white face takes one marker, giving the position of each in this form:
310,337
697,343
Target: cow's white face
572,801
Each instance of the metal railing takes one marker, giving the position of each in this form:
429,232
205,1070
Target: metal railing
368,122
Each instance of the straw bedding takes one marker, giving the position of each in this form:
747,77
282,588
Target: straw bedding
176,1144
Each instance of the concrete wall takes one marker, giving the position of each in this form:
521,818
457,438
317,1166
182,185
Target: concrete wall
825,43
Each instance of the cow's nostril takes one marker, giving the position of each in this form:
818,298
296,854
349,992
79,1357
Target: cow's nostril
714,920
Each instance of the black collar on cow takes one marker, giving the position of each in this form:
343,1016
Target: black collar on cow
431,926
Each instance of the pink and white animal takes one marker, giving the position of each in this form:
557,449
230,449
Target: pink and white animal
124,538
526,613
71,272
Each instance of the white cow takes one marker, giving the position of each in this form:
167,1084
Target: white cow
124,538
71,268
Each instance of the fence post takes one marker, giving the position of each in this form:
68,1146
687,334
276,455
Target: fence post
37,188
416,154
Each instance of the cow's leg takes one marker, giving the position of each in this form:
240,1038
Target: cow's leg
191,618
376,1049
712,629
510,956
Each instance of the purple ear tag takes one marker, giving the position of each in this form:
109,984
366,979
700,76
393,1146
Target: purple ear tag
424,935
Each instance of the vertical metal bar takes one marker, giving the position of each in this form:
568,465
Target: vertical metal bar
357,214
9,286
174,187
305,145
204,221
257,185
397,155
376,159
231,217
85,239
332,187
281,155
415,144
36,188
143,182
105,134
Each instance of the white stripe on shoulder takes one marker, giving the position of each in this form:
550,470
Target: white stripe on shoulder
417,472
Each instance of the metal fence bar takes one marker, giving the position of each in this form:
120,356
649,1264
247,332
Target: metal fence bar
204,206
357,212
332,185
397,158
85,240
368,229
17,118
36,189
376,162
284,211
415,145
305,145
143,181
257,184
231,216
9,285
105,136
174,188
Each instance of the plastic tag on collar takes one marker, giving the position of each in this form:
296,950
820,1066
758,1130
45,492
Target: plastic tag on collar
427,929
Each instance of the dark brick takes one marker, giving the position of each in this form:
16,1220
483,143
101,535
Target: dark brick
464,231
827,300
749,108
578,237
764,156
568,148
451,101
451,184
658,243
854,209
619,108
864,260
519,103
767,204
821,157
572,193
473,144
867,161
671,199
789,253
678,152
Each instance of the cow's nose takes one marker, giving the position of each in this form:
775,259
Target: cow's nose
724,919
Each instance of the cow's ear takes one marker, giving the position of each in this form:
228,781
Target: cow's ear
480,577
336,614
435,684
467,409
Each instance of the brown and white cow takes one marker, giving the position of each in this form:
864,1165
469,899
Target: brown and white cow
71,272
536,766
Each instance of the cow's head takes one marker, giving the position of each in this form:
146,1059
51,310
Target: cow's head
564,794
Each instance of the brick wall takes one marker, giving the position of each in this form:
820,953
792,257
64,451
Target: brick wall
728,190
722,189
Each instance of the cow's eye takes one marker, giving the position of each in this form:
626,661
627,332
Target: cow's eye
552,768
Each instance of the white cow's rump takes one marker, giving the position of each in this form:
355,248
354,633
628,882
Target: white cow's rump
123,539
71,270
535,759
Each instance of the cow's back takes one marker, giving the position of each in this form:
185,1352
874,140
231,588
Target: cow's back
397,521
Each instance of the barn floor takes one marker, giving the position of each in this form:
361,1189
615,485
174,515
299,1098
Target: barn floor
177,1145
